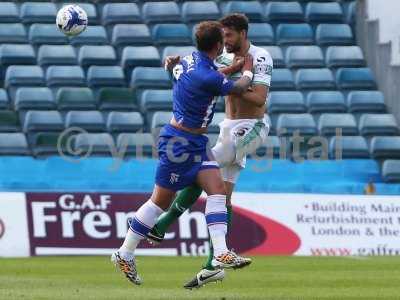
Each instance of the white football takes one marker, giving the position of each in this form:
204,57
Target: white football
72,20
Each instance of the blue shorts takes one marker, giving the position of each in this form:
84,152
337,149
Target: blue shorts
181,156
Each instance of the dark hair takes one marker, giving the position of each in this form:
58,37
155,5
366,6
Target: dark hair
238,22
208,34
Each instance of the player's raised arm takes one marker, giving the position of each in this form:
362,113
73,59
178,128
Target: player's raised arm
170,62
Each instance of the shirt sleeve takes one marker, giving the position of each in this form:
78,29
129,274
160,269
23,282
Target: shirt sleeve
218,84
263,66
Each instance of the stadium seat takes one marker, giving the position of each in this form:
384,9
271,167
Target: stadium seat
294,34
75,98
97,55
281,11
9,13
101,144
57,55
155,100
13,144
4,101
65,76
252,9
351,13
270,149
9,121
348,147
123,13
37,120
330,122
304,124
46,34
182,51
286,102
136,144
334,35
326,101
196,11
91,12
378,124
149,77
13,33
91,121
161,12
24,76
330,12
366,102
47,144
43,12
16,54
118,122
344,56
145,56
117,99
93,35
158,120
131,34
391,170
355,79
171,34
34,98
385,147
98,76
282,79
304,57
261,34
316,79
277,56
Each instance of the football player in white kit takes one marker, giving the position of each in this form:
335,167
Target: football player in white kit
242,131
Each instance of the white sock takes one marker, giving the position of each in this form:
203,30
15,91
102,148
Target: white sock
216,217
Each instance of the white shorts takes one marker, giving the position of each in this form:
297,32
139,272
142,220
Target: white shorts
236,140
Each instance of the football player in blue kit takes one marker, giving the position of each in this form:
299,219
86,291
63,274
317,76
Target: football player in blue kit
184,158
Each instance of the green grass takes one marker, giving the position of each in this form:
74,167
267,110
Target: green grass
274,278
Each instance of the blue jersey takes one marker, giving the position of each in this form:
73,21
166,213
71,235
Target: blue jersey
197,84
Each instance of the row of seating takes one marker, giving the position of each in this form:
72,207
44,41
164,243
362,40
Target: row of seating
169,11
176,34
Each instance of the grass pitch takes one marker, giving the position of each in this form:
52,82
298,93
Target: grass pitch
270,278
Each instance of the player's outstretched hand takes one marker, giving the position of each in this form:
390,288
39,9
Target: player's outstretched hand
171,62
248,63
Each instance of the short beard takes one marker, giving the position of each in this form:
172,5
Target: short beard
234,49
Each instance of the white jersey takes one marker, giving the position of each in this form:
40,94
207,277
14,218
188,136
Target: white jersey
262,64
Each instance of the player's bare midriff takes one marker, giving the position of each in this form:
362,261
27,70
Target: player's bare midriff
236,108
177,125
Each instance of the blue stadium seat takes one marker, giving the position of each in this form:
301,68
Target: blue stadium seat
91,12
158,120
329,123
304,124
261,34
46,34
286,102
348,147
155,100
119,122
124,13
277,56
391,170
4,101
324,12
97,55
182,51
47,144
75,98
57,55
131,34
145,56
16,54
161,12
378,124
34,98
284,12
13,144
150,78
282,79
171,34
65,76
13,33
316,79
98,144
252,9
137,144
294,34
9,13
384,147
366,101
326,101
37,120
355,79
344,56
334,35
115,98
271,148
304,57
24,76
43,12
351,13
91,121
93,35
9,121
98,76
196,11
